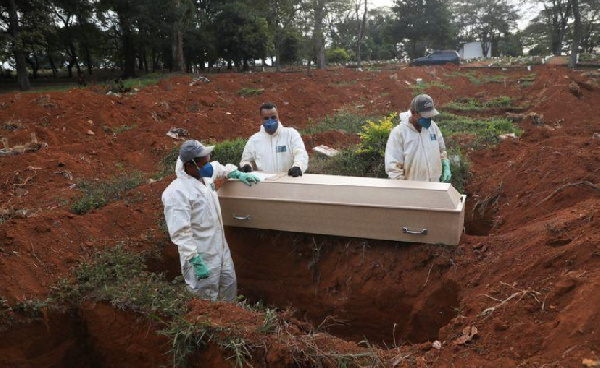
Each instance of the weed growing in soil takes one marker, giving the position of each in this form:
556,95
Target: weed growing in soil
98,195
485,132
247,92
345,119
123,128
421,88
6,314
472,104
229,151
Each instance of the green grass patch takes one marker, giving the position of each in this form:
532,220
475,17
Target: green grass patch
348,162
247,92
120,277
422,88
229,151
473,104
99,194
345,119
528,78
484,132
145,80
123,128
471,76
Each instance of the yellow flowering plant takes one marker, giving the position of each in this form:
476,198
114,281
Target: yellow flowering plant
375,134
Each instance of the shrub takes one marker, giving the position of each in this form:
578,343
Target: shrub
98,195
374,135
337,55
229,151
246,92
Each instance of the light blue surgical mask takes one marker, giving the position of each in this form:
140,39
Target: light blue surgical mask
424,122
206,171
271,126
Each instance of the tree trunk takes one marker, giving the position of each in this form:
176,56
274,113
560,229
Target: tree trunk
19,53
74,61
361,33
576,34
51,62
88,59
128,49
319,42
35,65
178,58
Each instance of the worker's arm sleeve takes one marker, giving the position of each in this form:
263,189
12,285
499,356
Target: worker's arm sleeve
299,151
248,155
394,156
221,171
443,152
178,217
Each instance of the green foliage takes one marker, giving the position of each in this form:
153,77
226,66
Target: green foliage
247,92
337,55
166,166
459,165
186,337
484,132
422,87
367,159
99,194
242,33
229,151
472,104
123,128
7,315
374,135
348,162
344,119
291,47
429,22
121,278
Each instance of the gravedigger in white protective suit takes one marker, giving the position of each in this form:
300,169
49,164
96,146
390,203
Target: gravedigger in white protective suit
415,149
193,216
275,148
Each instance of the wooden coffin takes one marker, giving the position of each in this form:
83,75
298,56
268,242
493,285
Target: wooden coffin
407,211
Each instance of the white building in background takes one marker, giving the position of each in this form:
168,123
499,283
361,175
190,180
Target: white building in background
472,50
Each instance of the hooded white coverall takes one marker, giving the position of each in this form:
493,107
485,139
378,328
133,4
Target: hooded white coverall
275,153
410,155
193,216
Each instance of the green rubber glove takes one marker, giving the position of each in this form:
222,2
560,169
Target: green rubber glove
446,174
199,267
245,178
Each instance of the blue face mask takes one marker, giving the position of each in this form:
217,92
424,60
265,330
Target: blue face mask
206,171
424,122
271,126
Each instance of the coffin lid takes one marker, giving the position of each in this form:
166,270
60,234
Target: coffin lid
350,191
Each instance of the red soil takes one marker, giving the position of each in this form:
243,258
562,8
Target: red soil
538,197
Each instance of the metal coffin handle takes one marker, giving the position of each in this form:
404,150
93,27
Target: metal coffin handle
422,232
241,218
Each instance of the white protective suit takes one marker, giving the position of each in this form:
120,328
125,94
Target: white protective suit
195,224
275,153
410,155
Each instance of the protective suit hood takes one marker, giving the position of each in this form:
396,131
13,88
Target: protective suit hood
180,169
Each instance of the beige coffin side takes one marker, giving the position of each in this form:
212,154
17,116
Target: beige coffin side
346,206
